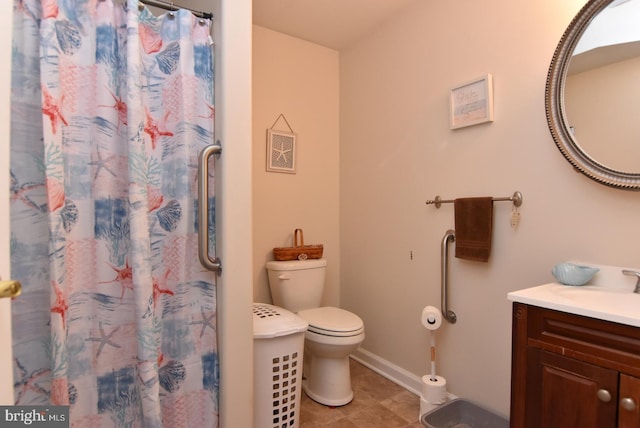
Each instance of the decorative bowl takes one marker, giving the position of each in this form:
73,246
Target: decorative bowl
573,274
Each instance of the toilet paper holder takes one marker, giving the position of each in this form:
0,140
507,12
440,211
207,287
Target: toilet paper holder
449,315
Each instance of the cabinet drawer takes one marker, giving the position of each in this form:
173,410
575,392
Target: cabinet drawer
605,343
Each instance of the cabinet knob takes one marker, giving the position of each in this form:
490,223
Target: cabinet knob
604,395
628,404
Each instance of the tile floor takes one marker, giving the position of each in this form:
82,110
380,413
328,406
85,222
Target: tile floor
377,403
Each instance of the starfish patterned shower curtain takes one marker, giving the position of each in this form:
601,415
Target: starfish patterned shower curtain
110,108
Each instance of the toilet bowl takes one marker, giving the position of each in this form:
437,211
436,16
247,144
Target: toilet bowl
333,333
332,336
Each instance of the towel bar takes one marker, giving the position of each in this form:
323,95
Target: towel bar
516,198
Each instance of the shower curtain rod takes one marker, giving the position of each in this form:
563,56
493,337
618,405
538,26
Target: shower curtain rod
172,6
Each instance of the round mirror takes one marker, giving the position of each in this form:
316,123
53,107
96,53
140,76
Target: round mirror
591,93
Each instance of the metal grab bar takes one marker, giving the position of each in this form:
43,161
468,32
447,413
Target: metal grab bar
449,236
203,211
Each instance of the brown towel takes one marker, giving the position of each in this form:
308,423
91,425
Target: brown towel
474,221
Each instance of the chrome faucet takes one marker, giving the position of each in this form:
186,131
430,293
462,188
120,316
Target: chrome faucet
637,275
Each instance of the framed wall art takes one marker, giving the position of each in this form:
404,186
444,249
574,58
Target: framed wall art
281,151
471,103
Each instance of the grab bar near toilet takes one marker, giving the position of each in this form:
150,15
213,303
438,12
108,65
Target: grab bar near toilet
449,236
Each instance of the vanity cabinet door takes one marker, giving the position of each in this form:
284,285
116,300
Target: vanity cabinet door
571,371
629,404
570,393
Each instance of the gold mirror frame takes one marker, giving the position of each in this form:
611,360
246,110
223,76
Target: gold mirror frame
555,106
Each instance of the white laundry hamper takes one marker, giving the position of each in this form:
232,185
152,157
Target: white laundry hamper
278,347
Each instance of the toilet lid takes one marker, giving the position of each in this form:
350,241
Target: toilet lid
332,321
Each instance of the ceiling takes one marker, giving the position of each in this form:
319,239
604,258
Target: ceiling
335,24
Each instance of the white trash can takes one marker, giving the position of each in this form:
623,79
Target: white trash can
278,346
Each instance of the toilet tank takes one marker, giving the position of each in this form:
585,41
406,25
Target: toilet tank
297,284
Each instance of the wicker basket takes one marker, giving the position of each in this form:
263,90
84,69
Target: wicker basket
299,251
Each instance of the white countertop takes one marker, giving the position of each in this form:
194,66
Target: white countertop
609,297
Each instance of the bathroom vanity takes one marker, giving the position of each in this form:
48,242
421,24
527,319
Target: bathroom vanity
575,357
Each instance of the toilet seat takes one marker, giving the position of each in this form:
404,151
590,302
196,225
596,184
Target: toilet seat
332,321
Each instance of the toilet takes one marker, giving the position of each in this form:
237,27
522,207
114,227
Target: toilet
333,333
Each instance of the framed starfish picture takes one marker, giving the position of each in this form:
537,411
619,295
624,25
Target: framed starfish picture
281,151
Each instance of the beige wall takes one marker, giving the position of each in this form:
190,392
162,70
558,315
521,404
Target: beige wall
396,151
6,359
299,80
232,32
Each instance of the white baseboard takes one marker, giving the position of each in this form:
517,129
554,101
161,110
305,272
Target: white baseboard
395,374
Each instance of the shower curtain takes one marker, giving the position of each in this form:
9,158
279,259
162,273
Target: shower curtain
110,108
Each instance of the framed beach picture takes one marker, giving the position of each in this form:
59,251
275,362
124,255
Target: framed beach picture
281,151
471,103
